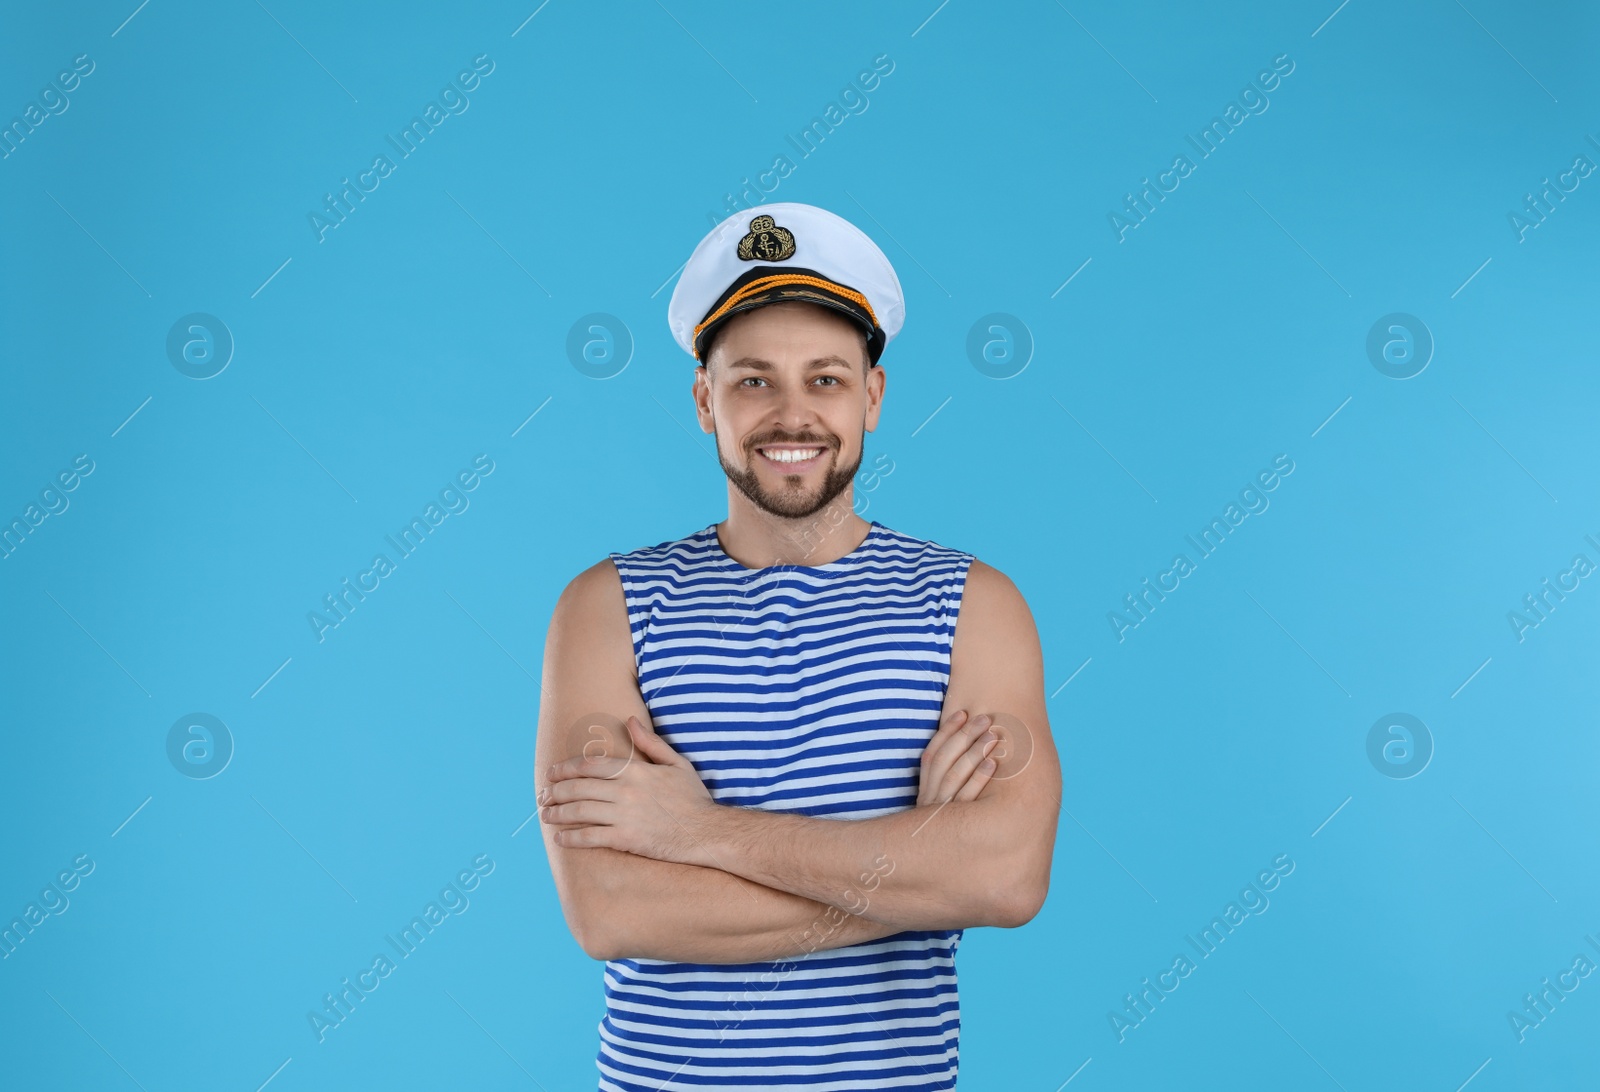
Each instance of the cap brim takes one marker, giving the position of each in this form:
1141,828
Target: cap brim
807,288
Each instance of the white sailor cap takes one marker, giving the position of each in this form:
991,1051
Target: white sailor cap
786,251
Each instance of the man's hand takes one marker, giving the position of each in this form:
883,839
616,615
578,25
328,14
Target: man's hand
648,803
652,802
955,764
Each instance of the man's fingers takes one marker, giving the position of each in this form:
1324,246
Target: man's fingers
584,838
936,757
947,727
652,746
942,756
980,777
578,811
586,766
579,788
966,763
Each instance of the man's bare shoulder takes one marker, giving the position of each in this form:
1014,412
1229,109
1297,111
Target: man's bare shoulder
590,618
993,608
589,677
996,664
595,586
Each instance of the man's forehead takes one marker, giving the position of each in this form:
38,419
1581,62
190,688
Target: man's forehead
761,364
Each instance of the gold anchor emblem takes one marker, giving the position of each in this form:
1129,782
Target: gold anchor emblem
766,242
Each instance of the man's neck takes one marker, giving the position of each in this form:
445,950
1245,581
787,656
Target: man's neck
757,539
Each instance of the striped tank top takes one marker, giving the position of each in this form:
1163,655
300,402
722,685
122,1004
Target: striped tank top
806,689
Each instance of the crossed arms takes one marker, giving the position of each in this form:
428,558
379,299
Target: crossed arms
646,865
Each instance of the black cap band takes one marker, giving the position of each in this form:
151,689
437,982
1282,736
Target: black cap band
789,283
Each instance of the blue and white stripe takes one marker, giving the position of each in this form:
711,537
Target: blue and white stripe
805,689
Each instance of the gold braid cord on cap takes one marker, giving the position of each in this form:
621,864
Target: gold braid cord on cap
763,284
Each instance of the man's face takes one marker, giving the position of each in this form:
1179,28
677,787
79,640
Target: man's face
786,394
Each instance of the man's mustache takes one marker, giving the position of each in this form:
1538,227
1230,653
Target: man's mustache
816,440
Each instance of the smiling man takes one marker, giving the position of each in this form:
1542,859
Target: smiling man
784,761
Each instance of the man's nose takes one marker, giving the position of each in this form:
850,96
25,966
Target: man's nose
795,412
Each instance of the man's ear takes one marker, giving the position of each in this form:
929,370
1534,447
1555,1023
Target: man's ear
875,376
702,377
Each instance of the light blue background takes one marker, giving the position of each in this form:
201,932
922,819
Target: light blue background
1226,329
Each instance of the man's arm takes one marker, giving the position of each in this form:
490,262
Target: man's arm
983,861
619,905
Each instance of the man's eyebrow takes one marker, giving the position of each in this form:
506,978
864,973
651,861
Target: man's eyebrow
757,364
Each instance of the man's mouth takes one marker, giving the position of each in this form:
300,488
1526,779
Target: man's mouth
792,458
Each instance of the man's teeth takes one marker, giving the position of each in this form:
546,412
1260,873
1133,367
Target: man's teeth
783,455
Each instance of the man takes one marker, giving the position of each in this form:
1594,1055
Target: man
765,803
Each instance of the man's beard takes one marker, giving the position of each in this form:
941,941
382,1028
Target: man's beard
790,503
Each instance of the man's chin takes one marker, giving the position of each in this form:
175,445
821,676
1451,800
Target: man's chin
795,502
791,496
791,505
